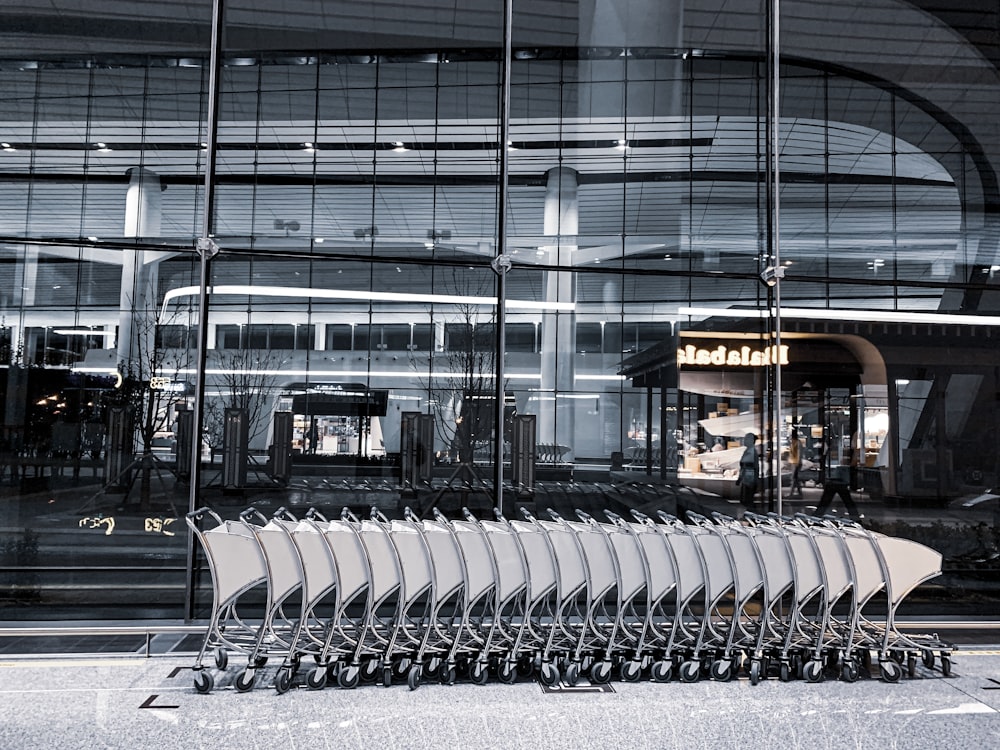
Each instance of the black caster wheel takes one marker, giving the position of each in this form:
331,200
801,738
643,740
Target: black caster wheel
203,682
812,671
722,670
631,671
413,677
507,673
549,674
662,671
283,680
927,656
849,671
316,679
891,670
349,677
572,674
690,671
244,681
478,673
600,673
221,658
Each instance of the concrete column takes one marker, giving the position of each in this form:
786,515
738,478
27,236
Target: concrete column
558,343
137,300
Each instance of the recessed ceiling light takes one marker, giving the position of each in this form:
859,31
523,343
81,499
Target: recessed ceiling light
398,147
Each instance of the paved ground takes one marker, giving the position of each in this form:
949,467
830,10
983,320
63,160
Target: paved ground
131,702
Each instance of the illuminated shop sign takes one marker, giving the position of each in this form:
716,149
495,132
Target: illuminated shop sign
735,356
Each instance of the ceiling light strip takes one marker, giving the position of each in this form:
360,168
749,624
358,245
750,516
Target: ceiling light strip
858,316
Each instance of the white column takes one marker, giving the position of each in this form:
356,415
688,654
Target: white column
558,344
137,300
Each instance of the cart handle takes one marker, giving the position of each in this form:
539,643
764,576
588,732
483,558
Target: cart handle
467,515
312,514
283,511
252,511
697,518
197,515
347,515
527,514
667,518
721,518
377,515
584,516
614,517
638,515
553,515
408,514
439,516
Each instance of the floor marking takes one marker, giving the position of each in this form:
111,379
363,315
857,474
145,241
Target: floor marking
562,687
33,663
994,686
148,703
176,671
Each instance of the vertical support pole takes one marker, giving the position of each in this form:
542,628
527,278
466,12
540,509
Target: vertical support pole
207,249
776,233
501,263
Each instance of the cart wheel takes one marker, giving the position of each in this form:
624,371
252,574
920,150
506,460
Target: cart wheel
866,659
349,677
478,673
911,666
785,672
662,671
221,658
386,675
414,675
203,682
525,667
945,665
927,656
448,676
259,662
549,675
507,673
631,671
283,680
244,681
572,675
755,671
369,670
600,673
797,666
400,668
316,679
849,671
690,671
722,670
432,669
891,671
812,671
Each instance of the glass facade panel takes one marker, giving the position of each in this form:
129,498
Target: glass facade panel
662,229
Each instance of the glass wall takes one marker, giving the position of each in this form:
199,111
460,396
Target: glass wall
349,352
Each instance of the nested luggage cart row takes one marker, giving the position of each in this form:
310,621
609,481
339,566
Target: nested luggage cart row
382,600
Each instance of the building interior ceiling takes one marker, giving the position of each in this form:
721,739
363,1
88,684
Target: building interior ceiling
679,194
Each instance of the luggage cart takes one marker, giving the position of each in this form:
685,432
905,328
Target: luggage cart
511,621
660,624
228,630
779,571
342,635
901,565
635,588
